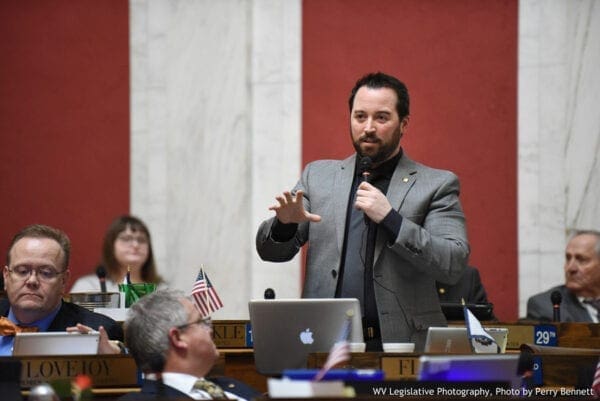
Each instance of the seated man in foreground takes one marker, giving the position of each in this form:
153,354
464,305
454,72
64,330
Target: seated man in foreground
35,279
172,343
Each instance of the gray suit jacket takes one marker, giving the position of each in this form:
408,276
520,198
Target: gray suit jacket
431,245
539,307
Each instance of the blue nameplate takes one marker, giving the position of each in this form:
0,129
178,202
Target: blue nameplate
545,335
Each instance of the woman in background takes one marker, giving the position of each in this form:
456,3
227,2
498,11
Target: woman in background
127,244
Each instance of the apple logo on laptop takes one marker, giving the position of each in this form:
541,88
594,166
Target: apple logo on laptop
306,337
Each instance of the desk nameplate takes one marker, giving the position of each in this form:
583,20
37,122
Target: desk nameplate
395,366
232,334
400,367
105,370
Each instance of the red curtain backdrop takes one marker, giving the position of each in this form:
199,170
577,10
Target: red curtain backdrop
459,61
64,119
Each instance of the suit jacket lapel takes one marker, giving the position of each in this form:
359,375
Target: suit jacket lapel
341,188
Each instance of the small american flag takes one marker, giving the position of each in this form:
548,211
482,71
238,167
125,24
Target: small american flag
596,382
340,352
205,295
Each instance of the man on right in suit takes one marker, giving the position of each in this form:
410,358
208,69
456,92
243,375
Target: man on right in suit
581,291
172,344
381,227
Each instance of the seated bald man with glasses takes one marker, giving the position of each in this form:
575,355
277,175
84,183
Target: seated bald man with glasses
35,279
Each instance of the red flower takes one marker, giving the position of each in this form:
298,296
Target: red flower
83,382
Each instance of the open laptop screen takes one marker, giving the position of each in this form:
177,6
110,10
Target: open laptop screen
56,343
285,331
455,340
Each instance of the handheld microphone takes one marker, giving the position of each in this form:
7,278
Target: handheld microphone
556,299
364,166
269,293
101,273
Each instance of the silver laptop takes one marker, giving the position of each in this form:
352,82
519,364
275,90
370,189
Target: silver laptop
285,331
455,340
56,343
470,368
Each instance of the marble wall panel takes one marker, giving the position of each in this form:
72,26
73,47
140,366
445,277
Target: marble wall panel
559,134
215,96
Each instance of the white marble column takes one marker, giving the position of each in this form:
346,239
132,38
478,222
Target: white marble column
215,129
559,134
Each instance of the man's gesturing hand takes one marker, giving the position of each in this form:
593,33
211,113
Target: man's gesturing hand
290,209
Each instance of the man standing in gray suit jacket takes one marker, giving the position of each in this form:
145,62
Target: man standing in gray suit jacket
580,295
381,227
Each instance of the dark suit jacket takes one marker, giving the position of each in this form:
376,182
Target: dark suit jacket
431,245
468,287
152,390
70,314
539,307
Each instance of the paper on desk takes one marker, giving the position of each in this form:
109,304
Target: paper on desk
117,314
286,388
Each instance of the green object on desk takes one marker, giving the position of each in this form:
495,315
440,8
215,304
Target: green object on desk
134,291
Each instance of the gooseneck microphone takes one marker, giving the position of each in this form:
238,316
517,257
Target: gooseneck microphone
101,273
364,167
269,293
556,298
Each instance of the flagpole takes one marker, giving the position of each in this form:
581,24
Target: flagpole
206,290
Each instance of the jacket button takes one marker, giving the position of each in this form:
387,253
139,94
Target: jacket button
334,273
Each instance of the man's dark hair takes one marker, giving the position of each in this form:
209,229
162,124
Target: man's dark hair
42,231
377,80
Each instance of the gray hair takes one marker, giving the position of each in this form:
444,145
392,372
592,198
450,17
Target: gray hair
576,232
147,327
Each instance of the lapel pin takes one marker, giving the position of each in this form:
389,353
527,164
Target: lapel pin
405,179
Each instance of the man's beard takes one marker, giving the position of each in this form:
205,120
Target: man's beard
385,151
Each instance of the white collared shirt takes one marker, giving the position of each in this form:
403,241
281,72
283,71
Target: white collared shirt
185,383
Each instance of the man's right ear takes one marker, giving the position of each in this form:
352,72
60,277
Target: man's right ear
175,339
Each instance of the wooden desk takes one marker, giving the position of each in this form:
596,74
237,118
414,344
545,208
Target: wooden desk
105,370
118,373
115,375
239,364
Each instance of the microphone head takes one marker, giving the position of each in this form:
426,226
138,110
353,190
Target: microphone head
101,272
365,164
556,297
269,293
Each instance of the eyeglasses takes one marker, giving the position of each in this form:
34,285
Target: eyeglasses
203,321
130,239
42,273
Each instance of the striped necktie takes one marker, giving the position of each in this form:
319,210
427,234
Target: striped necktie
596,304
211,388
